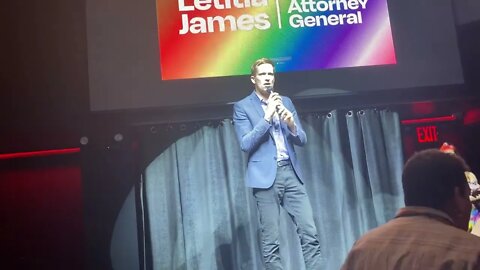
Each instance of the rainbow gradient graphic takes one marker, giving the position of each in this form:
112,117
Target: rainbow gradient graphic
297,34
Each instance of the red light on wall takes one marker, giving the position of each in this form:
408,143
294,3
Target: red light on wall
429,120
426,107
427,134
472,117
40,153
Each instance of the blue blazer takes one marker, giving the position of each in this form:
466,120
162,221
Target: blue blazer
255,138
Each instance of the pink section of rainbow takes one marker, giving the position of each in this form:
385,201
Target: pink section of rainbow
376,42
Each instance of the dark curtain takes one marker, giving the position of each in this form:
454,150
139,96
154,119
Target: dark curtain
201,215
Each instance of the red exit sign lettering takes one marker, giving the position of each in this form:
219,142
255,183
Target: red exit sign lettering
427,134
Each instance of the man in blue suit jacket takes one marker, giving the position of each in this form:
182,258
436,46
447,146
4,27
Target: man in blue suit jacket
267,127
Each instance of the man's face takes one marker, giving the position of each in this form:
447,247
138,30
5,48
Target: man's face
263,79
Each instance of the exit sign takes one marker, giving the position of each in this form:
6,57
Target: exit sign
427,134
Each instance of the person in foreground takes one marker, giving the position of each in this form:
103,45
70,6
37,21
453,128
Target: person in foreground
430,232
267,126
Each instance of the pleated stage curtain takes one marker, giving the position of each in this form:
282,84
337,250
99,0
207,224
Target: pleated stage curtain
201,215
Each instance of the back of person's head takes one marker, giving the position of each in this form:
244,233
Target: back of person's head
430,178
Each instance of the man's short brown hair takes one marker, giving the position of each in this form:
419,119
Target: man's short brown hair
261,61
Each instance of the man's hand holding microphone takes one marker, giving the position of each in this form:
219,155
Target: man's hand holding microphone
275,105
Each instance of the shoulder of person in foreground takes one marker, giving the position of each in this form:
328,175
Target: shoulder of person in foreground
393,241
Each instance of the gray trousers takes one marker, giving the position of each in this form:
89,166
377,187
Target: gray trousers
287,192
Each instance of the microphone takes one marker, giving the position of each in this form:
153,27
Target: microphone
269,88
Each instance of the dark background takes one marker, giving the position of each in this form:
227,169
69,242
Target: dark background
44,99
124,68
44,104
